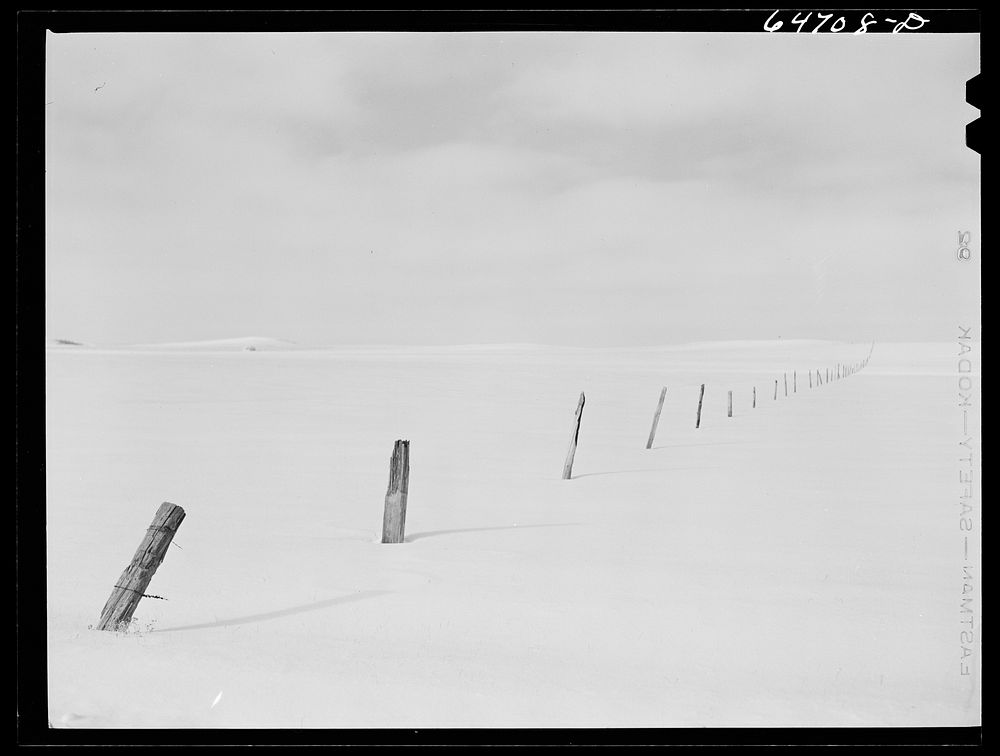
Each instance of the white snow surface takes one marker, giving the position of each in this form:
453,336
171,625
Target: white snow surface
797,564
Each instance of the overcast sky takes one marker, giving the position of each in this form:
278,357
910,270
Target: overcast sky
560,188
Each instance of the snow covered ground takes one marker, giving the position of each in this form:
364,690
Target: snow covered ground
798,564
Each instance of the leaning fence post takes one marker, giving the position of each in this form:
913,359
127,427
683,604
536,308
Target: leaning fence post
730,408
394,515
701,396
656,418
130,588
568,467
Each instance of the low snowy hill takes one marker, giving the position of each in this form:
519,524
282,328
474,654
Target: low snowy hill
245,343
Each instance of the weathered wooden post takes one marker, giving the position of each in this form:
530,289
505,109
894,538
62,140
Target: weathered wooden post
810,379
775,390
130,588
656,418
730,409
568,467
394,515
795,382
754,397
701,396
785,376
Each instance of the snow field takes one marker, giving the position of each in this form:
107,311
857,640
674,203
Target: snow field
794,565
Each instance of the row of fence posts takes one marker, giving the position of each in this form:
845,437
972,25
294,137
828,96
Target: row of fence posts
840,370
134,581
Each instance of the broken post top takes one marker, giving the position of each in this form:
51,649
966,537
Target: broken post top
399,467
171,509
579,415
167,520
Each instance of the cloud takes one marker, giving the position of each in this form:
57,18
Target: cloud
496,179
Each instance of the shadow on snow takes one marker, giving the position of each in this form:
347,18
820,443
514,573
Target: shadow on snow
432,533
264,616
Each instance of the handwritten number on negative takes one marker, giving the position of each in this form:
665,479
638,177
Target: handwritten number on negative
913,22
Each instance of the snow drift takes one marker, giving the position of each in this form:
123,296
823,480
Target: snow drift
797,564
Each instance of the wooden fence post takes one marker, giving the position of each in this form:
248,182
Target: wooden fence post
701,396
810,379
775,390
754,397
394,515
795,382
785,376
130,588
730,409
656,418
568,467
